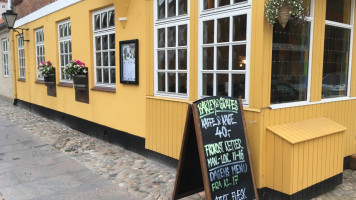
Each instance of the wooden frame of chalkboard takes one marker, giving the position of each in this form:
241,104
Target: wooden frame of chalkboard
227,172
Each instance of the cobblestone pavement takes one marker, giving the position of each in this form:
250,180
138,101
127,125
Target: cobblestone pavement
142,177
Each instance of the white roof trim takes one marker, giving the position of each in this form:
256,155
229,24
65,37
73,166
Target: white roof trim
46,10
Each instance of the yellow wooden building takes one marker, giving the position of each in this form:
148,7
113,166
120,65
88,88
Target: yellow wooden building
298,83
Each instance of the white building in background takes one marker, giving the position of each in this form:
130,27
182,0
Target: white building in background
3,6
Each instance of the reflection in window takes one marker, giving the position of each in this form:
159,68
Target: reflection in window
290,62
336,61
338,11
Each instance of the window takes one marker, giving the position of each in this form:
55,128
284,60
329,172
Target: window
65,48
104,47
291,60
224,52
5,57
337,55
3,6
40,54
21,55
171,48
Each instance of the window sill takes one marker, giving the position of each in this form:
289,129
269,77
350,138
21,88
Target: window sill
21,79
64,84
39,81
104,89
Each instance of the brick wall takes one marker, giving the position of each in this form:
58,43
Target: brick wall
25,7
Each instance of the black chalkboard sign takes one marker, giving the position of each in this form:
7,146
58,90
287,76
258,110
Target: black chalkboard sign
223,149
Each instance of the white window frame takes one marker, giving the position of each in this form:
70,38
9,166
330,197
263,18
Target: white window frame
69,54
5,56
351,27
107,31
39,40
243,8
166,23
306,102
21,60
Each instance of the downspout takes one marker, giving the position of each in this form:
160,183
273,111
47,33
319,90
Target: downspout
12,45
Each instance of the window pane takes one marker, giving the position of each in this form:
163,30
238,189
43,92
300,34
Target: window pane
209,4
70,47
161,38
104,42
112,76
336,62
104,20
238,85
182,59
223,2
171,37
171,8
171,59
338,11
66,47
182,35
239,57
112,18
105,59
208,58
69,29
182,83
60,31
208,84
98,43
222,58
65,30
112,58
97,22
208,34
222,83
307,4
161,9
161,81
161,59
182,7
171,82
239,28
98,76
223,29
112,41
239,1
106,75
62,61
98,59
290,62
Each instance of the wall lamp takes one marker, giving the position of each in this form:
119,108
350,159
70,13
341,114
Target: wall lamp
10,18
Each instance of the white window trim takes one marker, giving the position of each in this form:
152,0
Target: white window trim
63,39
351,27
218,13
5,52
106,31
165,23
18,55
39,44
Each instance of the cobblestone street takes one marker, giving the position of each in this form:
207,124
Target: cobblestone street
142,177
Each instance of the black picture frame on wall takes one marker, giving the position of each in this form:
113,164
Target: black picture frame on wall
129,62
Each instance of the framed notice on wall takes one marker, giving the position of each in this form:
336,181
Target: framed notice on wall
129,62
